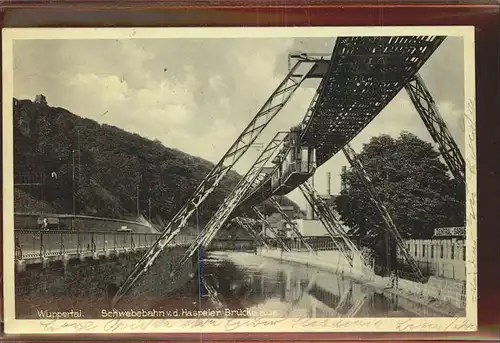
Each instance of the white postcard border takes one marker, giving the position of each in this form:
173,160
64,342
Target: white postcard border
123,326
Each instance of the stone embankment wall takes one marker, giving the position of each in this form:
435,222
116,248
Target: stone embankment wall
437,288
89,284
331,260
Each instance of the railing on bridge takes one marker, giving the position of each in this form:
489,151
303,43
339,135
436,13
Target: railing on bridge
234,245
32,244
317,243
36,243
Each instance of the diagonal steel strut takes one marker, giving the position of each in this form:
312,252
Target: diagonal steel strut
356,306
391,227
268,225
278,207
428,111
346,296
270,109
245,225
284,152
234,198
331,224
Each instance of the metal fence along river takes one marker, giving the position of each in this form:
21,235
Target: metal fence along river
36,243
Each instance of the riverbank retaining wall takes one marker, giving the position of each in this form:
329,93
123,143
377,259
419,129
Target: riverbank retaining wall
89,284
437,288
331,260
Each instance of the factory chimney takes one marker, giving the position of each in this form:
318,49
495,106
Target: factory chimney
328,184
309,209
342,179
313,214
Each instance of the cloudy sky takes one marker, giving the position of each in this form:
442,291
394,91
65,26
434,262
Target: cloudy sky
197,95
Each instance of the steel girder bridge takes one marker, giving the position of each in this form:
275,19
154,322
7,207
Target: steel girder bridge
359,78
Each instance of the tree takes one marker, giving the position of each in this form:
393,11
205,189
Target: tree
110,164
413,184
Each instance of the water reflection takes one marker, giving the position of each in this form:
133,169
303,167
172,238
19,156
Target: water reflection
232,282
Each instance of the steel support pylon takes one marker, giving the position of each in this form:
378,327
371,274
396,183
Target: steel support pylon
356,306
263,117
243,222
278,207
212,293
391,227
268,225
331,224
234,198
346,296
306,121
428,111
278,160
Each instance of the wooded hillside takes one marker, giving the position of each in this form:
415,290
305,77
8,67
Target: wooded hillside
109,166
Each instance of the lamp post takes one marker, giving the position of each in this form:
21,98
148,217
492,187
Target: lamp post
74,184
137,199
73,190
149,202
75,154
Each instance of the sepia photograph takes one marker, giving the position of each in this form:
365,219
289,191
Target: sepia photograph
215,180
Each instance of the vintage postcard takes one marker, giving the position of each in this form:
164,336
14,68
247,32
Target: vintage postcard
239,179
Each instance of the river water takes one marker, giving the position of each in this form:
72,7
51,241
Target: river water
236,284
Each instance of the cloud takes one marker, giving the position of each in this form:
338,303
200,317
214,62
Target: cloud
91,86
198,95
